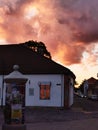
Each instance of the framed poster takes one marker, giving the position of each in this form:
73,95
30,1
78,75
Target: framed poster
16,113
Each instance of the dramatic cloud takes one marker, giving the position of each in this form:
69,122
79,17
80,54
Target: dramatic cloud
69,28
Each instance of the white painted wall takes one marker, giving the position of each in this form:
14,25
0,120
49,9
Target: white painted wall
56,94
0,89
71,96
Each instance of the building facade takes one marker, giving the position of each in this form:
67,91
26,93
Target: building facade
49,83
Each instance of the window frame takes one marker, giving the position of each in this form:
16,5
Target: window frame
45,90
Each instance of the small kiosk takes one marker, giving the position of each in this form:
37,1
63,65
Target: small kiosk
14,101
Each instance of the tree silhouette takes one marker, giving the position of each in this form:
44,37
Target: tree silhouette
81,87
38,47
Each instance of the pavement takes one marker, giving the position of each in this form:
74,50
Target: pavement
90,124
82,115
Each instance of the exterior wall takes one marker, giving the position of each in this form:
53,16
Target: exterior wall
2,91
71,94
33,99
68,91
1,84
56,94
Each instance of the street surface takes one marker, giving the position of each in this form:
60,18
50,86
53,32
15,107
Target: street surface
82,115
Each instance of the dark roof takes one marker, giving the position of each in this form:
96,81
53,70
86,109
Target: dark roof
92,80
29,61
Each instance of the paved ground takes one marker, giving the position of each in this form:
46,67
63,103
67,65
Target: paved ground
90,124
82,115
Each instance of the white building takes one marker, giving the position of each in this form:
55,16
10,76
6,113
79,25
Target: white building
49,83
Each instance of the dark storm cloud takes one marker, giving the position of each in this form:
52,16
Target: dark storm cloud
82,18
72,24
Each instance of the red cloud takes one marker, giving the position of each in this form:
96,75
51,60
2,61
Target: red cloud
71,24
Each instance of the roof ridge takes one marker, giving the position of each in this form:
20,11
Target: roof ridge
30,61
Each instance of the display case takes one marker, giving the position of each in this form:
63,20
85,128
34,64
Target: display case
14,98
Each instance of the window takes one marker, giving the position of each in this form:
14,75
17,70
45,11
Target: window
45,90
31,91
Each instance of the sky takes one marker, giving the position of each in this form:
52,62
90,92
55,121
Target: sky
69,29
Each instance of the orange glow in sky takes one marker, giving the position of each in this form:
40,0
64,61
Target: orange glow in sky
69,29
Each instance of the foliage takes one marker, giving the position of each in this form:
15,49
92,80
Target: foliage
38,47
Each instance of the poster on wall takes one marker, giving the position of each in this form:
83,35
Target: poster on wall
16,113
